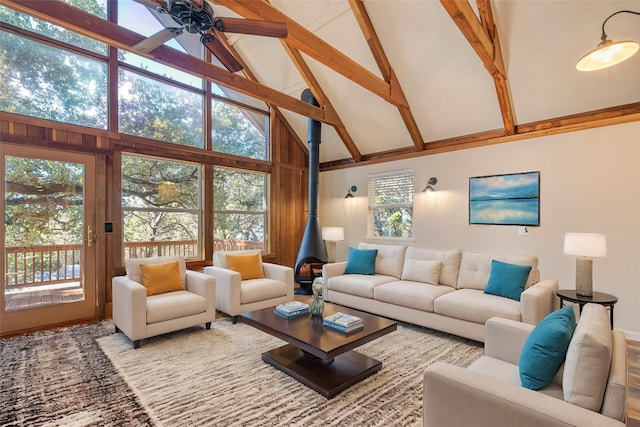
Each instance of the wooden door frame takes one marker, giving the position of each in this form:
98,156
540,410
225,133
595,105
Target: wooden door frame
94,286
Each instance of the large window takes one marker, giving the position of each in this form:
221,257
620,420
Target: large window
161,204
391,204
238,131
43,81
239,209
157,110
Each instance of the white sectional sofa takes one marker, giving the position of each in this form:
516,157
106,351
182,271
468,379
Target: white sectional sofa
439,289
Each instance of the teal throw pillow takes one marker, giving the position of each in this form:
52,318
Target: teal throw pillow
507,280
361,261
546,347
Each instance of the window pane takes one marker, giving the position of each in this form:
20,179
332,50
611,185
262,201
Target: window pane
55,32
160,111
161,207
239,209
136,17
238,131
51,83
391,204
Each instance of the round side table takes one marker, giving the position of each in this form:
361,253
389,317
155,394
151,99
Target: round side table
597,298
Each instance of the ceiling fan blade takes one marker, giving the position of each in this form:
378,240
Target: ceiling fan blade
158,39
255,27
218,50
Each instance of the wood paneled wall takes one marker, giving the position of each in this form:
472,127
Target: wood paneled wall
287,168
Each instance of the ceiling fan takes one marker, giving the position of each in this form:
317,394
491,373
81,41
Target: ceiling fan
196,17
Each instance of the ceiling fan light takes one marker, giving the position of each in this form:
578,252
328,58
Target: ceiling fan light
607,54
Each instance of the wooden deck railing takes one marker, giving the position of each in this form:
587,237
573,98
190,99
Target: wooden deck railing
53,264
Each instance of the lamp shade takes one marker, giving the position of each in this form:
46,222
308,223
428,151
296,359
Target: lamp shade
333,234
588,245
607,54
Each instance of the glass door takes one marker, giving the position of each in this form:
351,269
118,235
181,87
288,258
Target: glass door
48,241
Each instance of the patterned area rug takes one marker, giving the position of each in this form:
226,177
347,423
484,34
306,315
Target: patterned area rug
217,377
62,378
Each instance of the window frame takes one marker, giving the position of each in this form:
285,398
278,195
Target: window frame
377,182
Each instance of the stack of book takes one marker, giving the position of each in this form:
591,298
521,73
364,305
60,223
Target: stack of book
292,309
343,322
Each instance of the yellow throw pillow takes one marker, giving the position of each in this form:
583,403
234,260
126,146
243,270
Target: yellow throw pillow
161,278
247,265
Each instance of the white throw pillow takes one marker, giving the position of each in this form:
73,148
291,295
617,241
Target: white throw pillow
586,368
389,259
421,271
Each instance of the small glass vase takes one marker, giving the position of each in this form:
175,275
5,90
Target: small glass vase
316,307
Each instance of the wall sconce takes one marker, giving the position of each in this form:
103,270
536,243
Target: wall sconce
585,246
429,187
350,192
608,53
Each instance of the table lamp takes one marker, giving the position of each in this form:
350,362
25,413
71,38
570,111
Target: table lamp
332,235
585,246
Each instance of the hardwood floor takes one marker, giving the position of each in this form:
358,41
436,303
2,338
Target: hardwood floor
633,382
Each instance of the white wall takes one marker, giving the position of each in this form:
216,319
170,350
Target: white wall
589,182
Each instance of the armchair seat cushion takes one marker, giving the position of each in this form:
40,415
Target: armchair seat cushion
174,305
476,306
254,290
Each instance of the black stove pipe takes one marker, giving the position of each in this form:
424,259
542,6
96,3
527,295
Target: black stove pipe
312,247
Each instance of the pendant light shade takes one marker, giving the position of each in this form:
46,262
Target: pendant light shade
607,54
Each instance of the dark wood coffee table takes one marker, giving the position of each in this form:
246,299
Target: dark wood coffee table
317,356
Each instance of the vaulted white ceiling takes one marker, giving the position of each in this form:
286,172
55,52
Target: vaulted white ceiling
449,91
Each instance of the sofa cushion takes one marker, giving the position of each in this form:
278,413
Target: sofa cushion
586,367
132,266
545,349
409,294
476,306
614,404
450,262
174,305
261,290
220,257
248,265
389,259
161,278
358,284
509,373
361,261
475,269
507,280
421,271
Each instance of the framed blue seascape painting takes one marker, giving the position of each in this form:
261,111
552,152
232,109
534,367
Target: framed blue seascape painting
510,199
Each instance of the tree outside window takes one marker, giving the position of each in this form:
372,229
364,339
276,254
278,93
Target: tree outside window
239,209
161,204
391,204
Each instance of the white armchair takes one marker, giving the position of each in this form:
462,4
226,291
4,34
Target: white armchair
489,392
140,316
235,296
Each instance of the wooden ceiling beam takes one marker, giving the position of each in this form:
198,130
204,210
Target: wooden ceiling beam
84,23
321,97
484,40
370,35
565,124
305,41
499,79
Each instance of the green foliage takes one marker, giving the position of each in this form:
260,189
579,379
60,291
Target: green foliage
43,81
239,205
157,110
43,202
234,133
